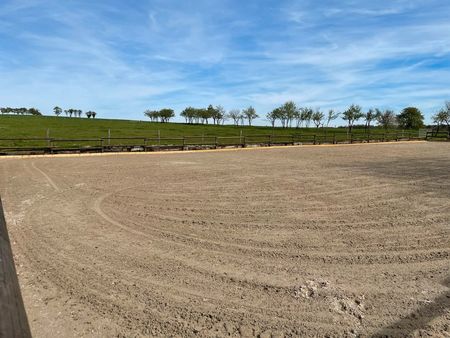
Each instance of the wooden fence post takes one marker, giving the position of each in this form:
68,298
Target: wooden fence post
48,137
13,318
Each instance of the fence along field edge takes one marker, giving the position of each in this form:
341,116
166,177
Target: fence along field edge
33,146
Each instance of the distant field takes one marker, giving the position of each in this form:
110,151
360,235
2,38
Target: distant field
64,127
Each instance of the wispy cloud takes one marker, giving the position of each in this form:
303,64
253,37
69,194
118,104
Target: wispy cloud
122,57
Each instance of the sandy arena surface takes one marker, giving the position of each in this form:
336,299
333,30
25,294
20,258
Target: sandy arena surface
337,241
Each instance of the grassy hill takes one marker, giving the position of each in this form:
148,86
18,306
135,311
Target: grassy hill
65,127
83,128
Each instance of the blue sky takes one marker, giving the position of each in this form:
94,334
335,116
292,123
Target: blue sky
122,57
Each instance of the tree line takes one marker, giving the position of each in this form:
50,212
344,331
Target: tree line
217,115
20,111
287,115
442,118
290,115
74,112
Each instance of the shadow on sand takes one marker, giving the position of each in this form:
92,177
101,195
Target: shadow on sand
420,318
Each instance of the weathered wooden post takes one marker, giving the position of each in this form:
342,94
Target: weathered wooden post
109,137
13,318
48,138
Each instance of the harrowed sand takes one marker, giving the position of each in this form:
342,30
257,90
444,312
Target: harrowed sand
303,241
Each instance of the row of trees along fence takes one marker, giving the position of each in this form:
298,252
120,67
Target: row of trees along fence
290,115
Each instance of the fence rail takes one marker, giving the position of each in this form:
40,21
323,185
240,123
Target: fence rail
13,318
9,146
438,135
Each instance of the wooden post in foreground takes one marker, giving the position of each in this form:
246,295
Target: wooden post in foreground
13,318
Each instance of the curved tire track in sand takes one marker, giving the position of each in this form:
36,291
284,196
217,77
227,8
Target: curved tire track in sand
287,242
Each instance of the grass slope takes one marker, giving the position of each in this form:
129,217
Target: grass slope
64,127
79,128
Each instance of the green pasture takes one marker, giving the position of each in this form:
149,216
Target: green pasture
79,129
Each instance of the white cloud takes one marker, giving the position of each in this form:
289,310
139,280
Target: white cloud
120,59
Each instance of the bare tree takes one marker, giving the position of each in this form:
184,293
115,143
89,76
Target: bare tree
218,114
369,117
332,115
57,110
289,110
351,115
273,116
250,114
308,113
318,117
386,119
235,115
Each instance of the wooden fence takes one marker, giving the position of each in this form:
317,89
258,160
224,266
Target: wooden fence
438,136
13,318
121,144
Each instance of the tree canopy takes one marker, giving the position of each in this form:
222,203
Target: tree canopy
351,115
410,118
20,111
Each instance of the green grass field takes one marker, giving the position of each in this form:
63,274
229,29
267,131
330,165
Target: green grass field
83,128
